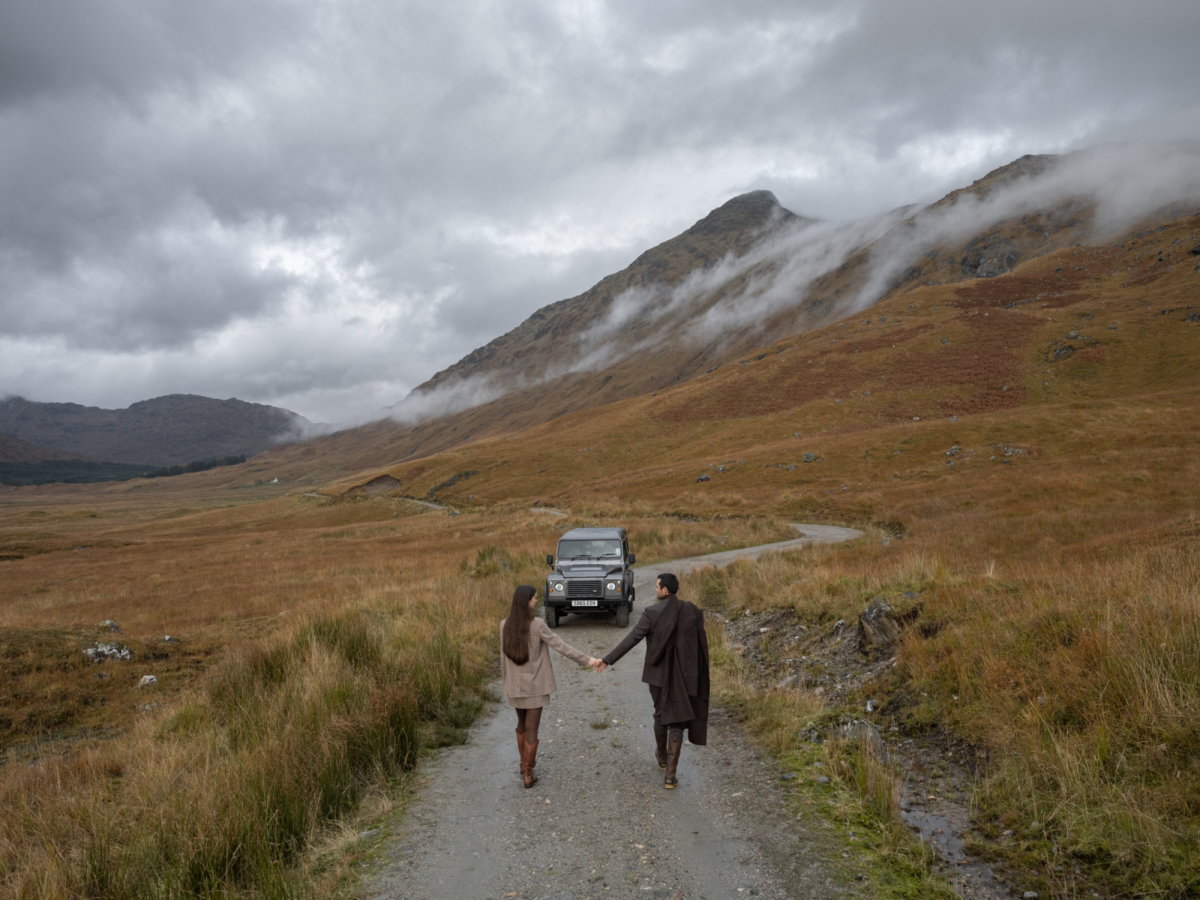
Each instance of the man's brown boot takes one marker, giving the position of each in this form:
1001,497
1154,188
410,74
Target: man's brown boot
674,748
661,753
530,762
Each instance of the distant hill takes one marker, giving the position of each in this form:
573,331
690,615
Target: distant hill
170,430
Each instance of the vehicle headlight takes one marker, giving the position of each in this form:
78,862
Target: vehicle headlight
557,587
612,585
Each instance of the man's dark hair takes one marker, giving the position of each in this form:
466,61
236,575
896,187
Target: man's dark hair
670,582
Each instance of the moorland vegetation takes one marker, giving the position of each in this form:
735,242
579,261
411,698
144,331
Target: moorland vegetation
1025,443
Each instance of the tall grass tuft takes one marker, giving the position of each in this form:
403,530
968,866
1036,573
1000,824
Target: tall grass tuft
286,738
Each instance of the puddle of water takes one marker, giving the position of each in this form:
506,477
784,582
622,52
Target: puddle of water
943,822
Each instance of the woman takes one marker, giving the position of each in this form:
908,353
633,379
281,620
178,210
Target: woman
528,675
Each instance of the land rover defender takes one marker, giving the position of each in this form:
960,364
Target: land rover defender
592,573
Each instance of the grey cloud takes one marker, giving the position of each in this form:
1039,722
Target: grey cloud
175,177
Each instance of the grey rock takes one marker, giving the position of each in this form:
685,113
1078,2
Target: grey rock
885,540
368,833
1196,250
945,340
787,776
954,451
565,895
1193,317
103,652
824,779
1030,895
861,730
703,478
879,626
148,681
111,626
872,705
720,468
810,457
167,639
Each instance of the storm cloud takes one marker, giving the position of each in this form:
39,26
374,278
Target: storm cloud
319,204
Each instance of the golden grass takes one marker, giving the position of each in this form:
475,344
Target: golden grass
1055,562
324,643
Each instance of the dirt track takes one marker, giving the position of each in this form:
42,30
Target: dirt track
599,823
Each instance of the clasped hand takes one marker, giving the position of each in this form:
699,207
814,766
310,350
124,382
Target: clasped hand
598,664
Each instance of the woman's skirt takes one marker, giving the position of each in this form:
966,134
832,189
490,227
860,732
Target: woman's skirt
528,702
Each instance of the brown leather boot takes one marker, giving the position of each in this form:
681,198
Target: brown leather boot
674,748
521,749
530,762
660,754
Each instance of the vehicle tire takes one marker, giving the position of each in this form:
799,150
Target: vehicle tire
550,613
623,616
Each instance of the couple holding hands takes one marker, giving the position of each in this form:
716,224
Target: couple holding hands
676,671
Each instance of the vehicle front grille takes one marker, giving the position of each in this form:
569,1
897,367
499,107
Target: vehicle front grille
585,588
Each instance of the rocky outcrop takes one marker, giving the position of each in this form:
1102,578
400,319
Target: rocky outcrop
988,257
879,627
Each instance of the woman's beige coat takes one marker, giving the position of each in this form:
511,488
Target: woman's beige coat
536,677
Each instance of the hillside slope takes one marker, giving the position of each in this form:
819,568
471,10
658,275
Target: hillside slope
15,450
170,430
748,274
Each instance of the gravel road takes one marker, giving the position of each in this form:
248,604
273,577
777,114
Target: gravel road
599,823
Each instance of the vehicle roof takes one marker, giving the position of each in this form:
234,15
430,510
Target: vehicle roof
583,534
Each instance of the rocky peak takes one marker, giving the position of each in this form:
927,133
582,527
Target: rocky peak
751,210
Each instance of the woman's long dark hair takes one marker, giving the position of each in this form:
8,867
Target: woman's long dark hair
516,629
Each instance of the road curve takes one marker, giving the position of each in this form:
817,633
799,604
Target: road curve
599,823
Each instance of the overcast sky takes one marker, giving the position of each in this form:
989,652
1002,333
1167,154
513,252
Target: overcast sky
318,204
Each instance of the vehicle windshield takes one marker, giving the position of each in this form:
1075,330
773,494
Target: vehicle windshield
598,549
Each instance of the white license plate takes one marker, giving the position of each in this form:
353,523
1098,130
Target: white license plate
585,602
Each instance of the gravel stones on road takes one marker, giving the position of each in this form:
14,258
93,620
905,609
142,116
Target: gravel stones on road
599,823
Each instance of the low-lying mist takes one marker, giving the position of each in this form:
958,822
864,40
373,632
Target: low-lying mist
1120,184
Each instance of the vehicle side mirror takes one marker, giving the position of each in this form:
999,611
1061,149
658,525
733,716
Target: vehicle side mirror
632,558
550,560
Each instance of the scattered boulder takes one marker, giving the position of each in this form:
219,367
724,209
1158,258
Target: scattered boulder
1193,317
954,451
167,639
104,652
879,626
810,457
111,626
1196,250
703,478
148,681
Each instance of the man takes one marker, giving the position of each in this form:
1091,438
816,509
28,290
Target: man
676,670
